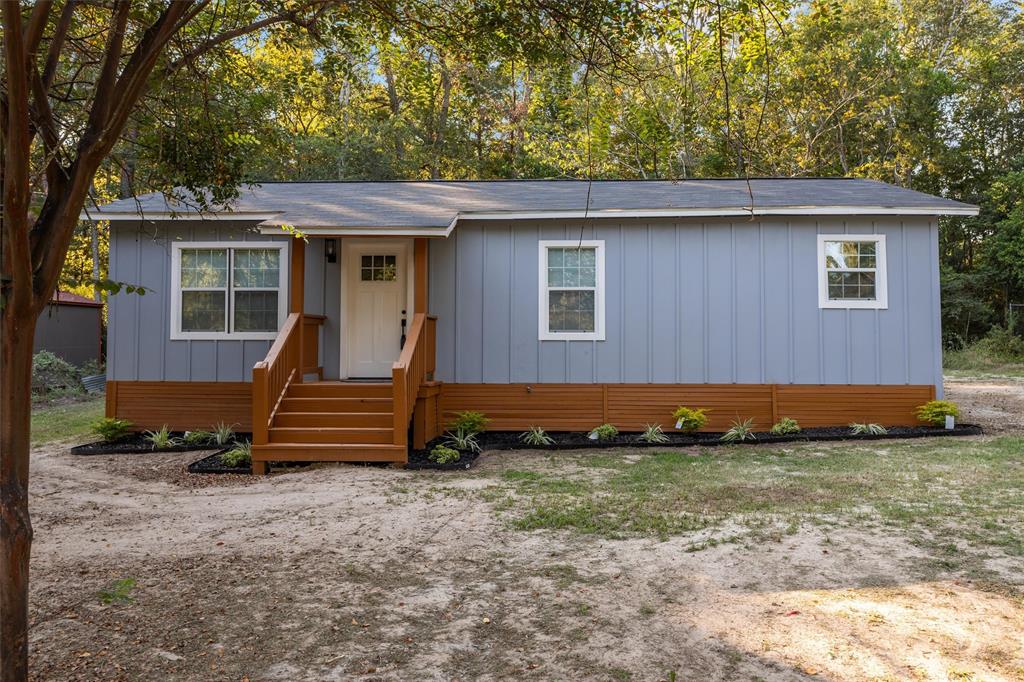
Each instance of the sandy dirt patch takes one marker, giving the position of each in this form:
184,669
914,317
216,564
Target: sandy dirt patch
996,405
345,572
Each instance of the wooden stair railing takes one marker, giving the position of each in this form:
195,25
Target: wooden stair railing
415,366
272,376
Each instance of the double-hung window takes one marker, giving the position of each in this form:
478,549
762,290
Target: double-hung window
571,290
851,271
229,290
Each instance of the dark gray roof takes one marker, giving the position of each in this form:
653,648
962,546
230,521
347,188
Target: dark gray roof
437,204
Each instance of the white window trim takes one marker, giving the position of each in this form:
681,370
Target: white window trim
881,301
544,334
282,289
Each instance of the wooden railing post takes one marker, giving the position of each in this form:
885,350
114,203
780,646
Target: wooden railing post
260,408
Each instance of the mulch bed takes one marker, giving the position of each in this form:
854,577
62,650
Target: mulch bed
212,464
565,440
136,443
510,440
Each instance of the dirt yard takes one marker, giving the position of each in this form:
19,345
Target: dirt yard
344,572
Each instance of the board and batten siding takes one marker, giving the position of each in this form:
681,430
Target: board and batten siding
688,301
139,344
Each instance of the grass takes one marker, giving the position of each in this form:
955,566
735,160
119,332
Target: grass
65,421
952,490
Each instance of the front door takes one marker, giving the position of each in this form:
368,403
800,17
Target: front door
377,282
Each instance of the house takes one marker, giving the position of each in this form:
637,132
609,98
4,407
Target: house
71,327
562,304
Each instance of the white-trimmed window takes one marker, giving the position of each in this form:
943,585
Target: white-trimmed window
571,290
851,271
232,290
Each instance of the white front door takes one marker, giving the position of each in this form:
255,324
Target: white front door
376,281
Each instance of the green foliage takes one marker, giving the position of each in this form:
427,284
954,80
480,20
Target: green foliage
469,422
785,427
64,421
690,418
160,440
935,411
443,454
740,431
119,592
196,438
223,433
238,456
54,376
653,433
462,440
112,429
536,436
999,352
604,432
859,429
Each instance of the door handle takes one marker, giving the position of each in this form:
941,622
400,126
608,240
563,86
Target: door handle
401,343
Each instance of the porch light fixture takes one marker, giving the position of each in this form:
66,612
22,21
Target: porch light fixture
331,250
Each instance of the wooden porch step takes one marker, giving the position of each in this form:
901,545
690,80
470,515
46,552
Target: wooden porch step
339,389
329,419
319,452
290,404
332,435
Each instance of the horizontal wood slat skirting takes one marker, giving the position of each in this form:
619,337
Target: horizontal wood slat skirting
579,407
182,405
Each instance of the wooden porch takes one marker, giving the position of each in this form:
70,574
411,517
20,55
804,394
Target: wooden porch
298,419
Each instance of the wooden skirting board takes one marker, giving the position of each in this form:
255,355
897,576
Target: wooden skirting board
181,405
555,407
580,407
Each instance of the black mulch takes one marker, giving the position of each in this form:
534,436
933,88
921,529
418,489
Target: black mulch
565,440
212,464
136,443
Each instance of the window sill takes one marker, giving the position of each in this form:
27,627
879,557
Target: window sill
223,336
571,336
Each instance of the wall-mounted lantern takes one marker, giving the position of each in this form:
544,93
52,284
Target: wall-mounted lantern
331,250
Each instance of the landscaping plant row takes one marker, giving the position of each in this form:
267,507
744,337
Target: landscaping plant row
119,438
466,436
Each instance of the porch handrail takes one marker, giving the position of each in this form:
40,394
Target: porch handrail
414,367
272,376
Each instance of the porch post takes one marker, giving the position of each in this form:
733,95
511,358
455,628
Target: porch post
297,294
419,293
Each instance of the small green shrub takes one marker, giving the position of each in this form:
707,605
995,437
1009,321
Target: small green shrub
111,429
462,440
536,436
54,376
443,454
935,411
222,433
653,433
858,429
785,427
690,418
198,438
238,456
739,431
160,440
119,592
604,432
469,422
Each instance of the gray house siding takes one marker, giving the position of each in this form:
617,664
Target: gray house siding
71,332
688,301
139,343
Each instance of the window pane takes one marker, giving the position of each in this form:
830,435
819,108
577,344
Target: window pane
572,277
572,258
257,268
555,258
367,261
366,274
588,277
255,311
202,311
571,311
851,286
556,277
204,268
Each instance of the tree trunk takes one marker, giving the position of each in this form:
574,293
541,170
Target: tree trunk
18,329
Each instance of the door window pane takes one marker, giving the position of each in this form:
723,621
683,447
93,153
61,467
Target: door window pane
851,268
378,269
255,311
203,311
